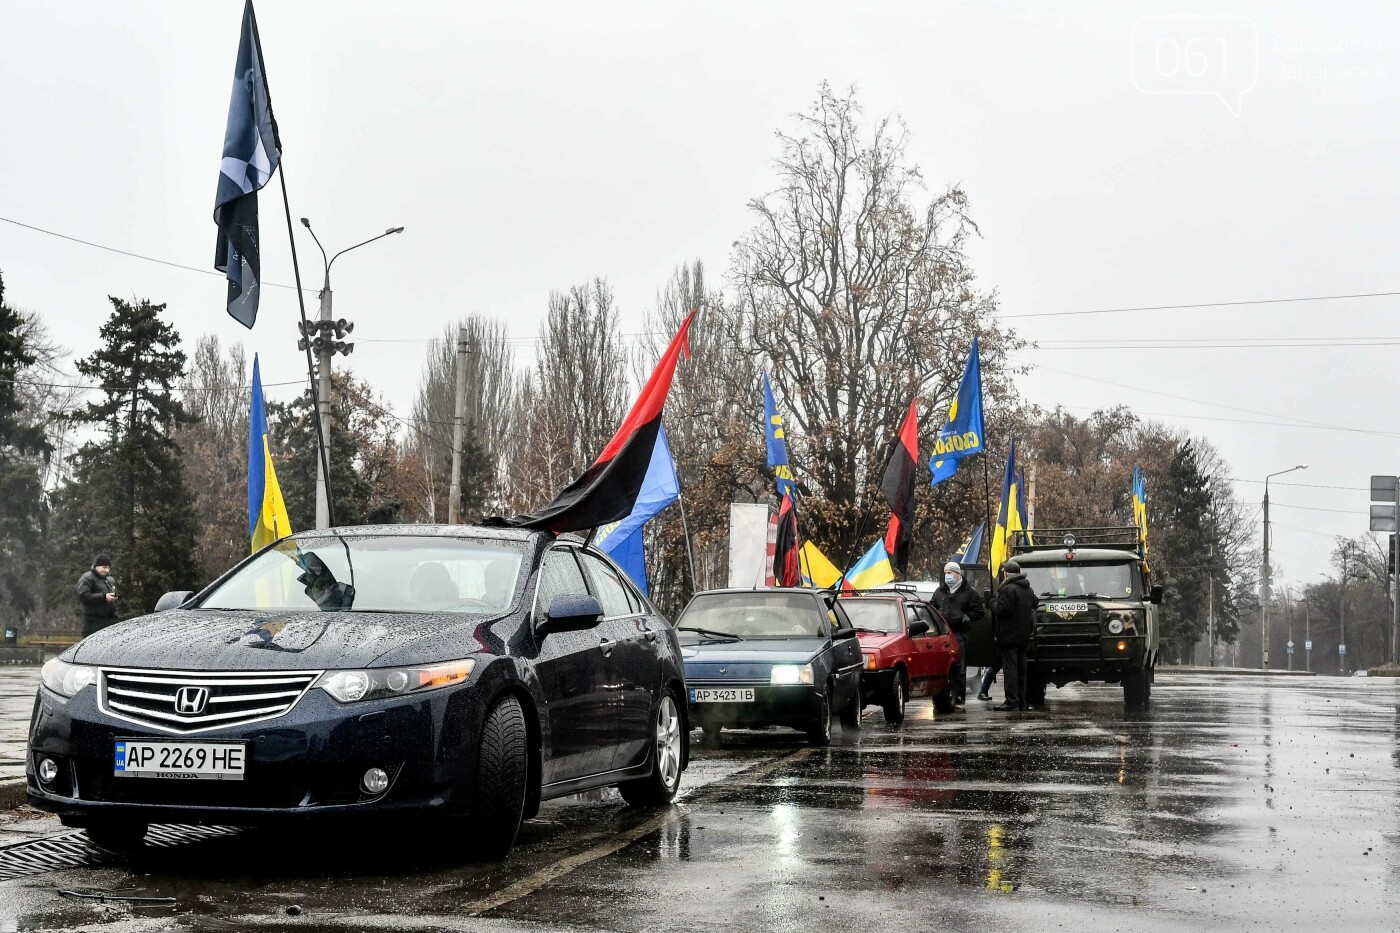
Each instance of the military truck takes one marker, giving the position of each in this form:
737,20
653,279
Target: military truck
1097,619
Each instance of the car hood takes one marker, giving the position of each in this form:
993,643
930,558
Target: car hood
876,640
767,651
240,640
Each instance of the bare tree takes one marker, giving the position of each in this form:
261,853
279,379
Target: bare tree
215,392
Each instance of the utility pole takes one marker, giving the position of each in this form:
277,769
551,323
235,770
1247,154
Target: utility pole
454,495
1307,632
1268,577
1394,581
1030,496
1288,601
1342,613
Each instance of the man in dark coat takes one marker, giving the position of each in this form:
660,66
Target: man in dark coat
1013,624
960,605
97,594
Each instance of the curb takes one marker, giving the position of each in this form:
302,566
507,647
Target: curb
1232,671
13,793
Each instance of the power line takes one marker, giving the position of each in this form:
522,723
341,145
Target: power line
1146,345
1313,508
1260,482
1205,304
122,252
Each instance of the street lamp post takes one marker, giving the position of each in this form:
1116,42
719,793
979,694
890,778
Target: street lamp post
319,339
1268,581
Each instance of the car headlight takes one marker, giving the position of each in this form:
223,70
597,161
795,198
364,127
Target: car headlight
870,662
1120,622
791,674
67,679
1115,626
380,682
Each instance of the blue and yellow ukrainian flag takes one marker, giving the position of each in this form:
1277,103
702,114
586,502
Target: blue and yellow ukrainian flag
817,569
1008,514
777,443
267,513
872,570
1140,507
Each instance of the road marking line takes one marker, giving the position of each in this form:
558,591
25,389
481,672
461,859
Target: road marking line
533,882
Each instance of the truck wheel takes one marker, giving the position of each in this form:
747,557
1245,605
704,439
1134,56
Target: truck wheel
819,732
1135,688
898,697
117,835
660,787
498,801
946,700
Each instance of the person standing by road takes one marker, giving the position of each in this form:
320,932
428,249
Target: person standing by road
1013,624
97,594
960,605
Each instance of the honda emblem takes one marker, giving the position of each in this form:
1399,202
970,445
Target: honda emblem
190,701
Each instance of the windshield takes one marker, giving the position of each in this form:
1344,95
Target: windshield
753,615
1106,581
374,573
874,615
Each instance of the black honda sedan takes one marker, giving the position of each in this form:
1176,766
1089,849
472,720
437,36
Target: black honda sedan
393,670
771,657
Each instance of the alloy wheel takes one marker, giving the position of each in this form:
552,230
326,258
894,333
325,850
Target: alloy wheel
668,742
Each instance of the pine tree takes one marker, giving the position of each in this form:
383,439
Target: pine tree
22,444
1181,509
127,495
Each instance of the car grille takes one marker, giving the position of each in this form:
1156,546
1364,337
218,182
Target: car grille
1077,640
195,701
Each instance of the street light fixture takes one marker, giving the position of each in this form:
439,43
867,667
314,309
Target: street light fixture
1268,580
326,337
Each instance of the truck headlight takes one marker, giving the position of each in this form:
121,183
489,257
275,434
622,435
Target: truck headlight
785,674
67,679
381,682
1115,626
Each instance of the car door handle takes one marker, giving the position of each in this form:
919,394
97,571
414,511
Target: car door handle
605,645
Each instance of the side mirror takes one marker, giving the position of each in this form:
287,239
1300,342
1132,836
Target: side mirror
173,600
918,627
571,614
1155,595
844,633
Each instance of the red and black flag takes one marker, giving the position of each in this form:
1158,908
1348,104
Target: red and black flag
608,489
787,568
898,487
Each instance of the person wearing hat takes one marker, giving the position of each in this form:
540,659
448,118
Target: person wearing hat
1013,624
960,605
97,594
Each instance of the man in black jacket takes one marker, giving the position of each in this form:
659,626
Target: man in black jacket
1013,624
97,593
960,605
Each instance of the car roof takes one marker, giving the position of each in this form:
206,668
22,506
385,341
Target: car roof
1081,555
763,589
422,531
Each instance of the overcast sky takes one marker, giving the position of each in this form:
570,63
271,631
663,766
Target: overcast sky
527,147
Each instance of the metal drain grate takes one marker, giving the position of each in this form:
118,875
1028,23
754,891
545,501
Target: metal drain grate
73,850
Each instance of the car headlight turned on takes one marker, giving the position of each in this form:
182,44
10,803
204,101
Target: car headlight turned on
384,682
67,679
785,674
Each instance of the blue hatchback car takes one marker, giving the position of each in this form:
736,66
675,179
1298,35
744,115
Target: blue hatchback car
770,657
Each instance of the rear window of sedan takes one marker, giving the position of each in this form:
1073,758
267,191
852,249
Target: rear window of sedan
755,615
376,573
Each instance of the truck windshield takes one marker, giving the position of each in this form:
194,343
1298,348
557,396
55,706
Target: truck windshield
1104,581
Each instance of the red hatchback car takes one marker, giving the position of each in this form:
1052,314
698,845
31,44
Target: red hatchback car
907,651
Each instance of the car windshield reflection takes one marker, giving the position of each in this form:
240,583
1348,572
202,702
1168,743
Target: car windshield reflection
1097,581
752,615
874,614
376,573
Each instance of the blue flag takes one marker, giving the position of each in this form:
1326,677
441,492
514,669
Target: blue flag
251,154
777,443
622,540
963,435
972,548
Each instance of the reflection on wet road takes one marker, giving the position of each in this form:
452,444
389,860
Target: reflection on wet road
1234,803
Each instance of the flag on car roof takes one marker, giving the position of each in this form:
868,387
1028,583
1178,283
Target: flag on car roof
252,151
777,443
1140,507
267,513
786,561
622,540
872,570
607,490
898,486
963,435
817,570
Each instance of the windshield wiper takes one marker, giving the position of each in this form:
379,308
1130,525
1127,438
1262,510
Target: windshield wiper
711,632
871,631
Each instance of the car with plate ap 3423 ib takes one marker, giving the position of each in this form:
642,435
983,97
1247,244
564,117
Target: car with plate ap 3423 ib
394,670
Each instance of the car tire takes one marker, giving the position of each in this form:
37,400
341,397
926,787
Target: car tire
502,770
819,732
898,697
850,716
946,700
668,749
117,835
1135,688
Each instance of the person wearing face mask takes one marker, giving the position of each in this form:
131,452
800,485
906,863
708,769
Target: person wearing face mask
959,603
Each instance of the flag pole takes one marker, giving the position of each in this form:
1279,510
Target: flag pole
685,531
306,329
987,516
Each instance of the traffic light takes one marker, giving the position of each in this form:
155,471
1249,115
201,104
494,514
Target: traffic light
1390,557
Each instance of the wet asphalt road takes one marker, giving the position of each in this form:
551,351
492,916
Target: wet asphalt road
1236,803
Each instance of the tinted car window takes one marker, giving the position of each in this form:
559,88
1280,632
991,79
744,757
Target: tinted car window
612,592
559,576
376,573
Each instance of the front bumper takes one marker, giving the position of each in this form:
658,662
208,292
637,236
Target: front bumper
795,706
307,762
1100,658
